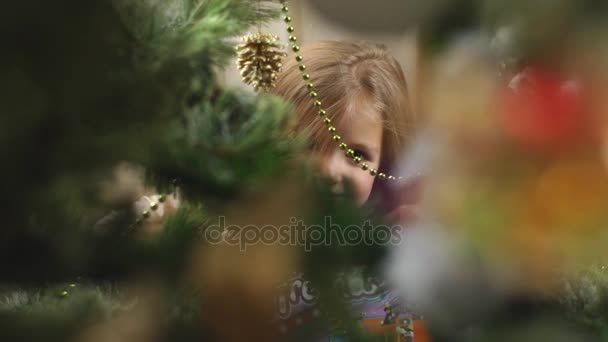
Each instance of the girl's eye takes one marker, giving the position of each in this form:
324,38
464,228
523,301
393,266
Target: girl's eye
360,154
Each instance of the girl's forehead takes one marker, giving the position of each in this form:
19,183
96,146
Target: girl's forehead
361,120
363,109
357,120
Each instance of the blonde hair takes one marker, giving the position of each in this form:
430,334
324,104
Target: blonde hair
343,73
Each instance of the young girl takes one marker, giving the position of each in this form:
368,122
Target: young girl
363,91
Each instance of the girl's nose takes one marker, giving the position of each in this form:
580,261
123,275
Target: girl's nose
333,169
337,187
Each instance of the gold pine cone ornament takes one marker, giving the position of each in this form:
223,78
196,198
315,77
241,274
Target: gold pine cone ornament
259,58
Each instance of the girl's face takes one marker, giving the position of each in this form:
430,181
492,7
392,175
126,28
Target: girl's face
362,130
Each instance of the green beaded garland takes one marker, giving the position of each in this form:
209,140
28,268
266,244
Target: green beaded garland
310,85
302,67
295,48
337,137
290,29
306,77
313,94
317,103
343,146
293,39
299,58
327,121
322,112
332,129
287,19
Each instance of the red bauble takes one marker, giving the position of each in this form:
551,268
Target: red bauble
542,111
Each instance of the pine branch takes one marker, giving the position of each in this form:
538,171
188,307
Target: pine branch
226,145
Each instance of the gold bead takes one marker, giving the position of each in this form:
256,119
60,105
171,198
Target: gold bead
343,146
322,112
327,121
317,103
302,67
285,8
154,206
287,19
295,48
373,172
337,137
299,58
332,129
64,293
357,160
145,214
293,39
382,175
162,198
290,29
391,178
306,77
313,94
350,153
310,85
364,166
